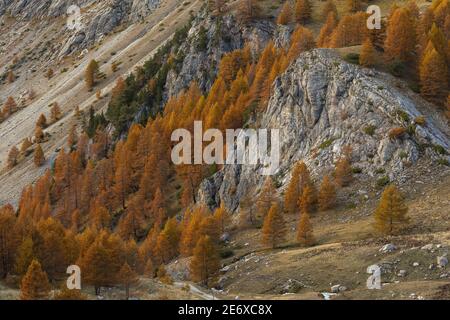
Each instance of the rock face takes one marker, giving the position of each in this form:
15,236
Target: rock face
208,39
98,19
141,8
321,104
442,261
26,9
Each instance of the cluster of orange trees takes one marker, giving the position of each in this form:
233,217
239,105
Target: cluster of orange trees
112,207
300,197
412,44
97,202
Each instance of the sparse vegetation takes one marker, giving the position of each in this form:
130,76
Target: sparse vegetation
383,181
396,133
370,130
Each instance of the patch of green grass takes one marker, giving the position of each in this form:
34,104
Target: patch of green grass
350,206
402,115
356,170
326,144
370,130
352,58
226,253
444,162
411,129
439,149
383,181
397,68
403,155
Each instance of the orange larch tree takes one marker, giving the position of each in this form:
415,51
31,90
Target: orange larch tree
390,214
401,37
127,277
274,229
222,217
303,11
343,172
327,194
308,199
122,176
39,158
26,144
205,263
24,256
168,241
351,30
266,198
368,54
132,223
249,10
285,15
434,85
190,235
55,112
329,7
12,157
91,74
39,134
42,121
324,37
50,250
305,236
8,240
302,40
34,285
9,107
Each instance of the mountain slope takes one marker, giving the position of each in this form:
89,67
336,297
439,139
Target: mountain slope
321,104
132,47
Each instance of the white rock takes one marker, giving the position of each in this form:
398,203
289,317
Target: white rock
335,288
338,288
402,273
388,248
416,264
442,261
427,247
225,269
327,295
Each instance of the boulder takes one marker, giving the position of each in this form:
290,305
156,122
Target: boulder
428,247
225,237
338,288
388,248
402,273
442,261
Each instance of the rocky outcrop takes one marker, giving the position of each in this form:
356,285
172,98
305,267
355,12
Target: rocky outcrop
142,8
321,104
27,9
208,39
99,18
